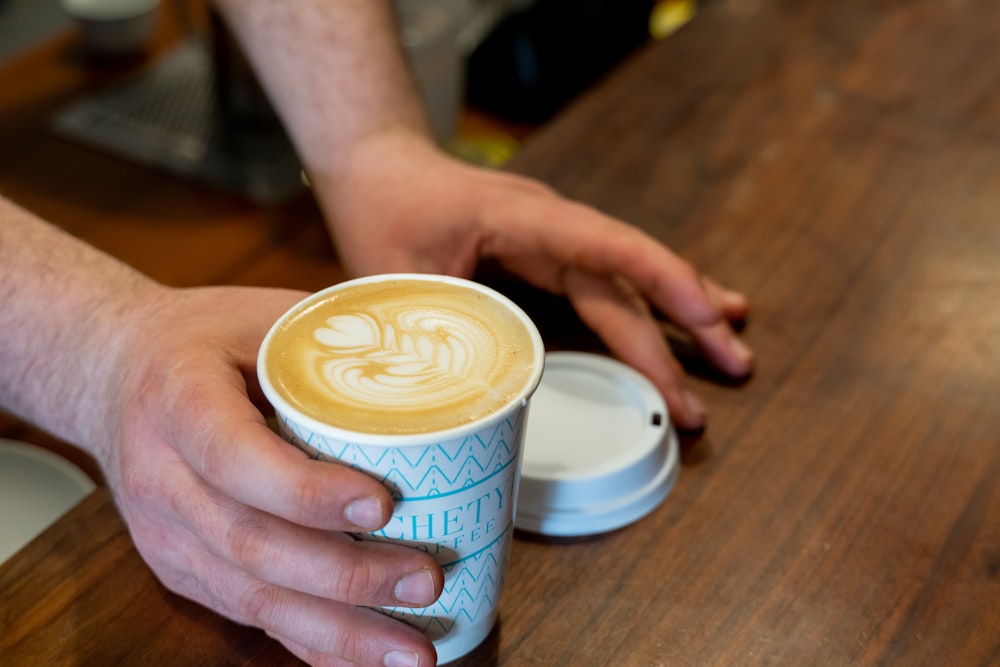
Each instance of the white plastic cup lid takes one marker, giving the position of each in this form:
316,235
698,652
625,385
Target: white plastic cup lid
599,451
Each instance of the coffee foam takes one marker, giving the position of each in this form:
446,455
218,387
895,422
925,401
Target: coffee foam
401,356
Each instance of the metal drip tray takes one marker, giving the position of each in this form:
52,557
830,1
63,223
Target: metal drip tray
169,117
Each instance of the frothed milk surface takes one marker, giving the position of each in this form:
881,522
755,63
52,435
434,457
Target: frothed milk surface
401,357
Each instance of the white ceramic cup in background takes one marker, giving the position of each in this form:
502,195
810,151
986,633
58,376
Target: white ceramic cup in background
431,379
36,488
114,27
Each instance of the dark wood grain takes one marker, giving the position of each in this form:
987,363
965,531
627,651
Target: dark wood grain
840,161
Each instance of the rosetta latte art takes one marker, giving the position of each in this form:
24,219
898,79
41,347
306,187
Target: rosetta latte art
414,359
402,356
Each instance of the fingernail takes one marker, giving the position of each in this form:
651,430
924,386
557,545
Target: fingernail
401,659
733,298
416,588
365,513
694,406
740,350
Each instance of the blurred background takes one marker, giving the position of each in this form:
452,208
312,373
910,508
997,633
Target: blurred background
490,72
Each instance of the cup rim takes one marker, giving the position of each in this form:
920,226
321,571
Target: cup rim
284,408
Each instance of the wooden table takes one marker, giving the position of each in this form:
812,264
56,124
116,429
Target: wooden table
837,159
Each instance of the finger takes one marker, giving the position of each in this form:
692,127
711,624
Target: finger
394,656
724,349
226,441
324,563
601,245
361,636
357,572
309,656
719,342
732,304
623,321
353,571
323,632
326,631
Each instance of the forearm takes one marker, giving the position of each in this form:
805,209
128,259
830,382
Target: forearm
63,303
334,70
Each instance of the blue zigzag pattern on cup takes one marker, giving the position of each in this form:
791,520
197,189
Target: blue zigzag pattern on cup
471,591
425,471
428,473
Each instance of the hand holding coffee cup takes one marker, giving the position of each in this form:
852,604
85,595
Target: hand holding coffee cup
423,382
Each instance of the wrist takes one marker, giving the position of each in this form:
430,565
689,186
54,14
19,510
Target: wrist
66,308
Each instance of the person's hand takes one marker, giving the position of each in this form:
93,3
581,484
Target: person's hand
400,204
228,514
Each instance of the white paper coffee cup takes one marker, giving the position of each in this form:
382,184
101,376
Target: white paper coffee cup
455,489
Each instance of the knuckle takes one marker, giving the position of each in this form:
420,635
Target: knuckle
311,501
355,581
349,644
246,546
134,483
257,604
358,580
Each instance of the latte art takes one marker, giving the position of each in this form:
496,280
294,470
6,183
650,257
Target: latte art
415,358
401,356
